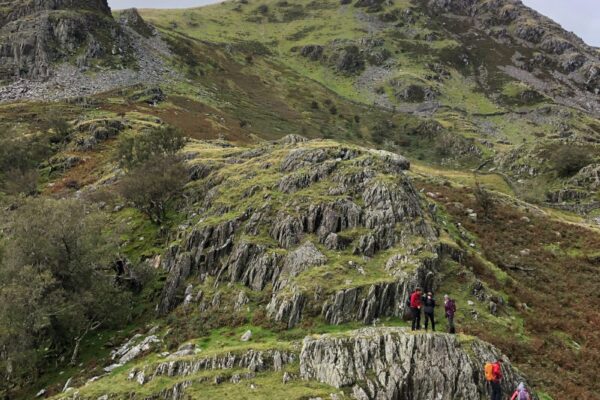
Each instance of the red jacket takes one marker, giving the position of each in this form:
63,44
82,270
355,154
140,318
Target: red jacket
415,300
497,371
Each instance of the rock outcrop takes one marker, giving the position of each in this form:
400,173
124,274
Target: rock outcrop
35,34
363,204
391,363
132,18
253,361
367,364
48,48
561,62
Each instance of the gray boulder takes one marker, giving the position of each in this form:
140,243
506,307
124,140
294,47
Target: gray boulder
134,348
246,336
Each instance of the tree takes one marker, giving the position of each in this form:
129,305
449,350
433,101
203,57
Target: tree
484,199
19,160
59,129
21,181
56,283
133,150
153,184
569,160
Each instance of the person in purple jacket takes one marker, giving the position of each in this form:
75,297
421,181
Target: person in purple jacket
450,308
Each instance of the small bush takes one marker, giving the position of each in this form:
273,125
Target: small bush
60,130
569,160
19,160
133,150
21,181
484,199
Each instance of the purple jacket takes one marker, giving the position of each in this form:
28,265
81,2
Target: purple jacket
450,307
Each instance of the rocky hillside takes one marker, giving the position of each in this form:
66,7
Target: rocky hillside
53,50
297,231
36,34
446,367
527,47
492,83
235,201
344,235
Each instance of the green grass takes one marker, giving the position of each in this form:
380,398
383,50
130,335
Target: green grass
264,386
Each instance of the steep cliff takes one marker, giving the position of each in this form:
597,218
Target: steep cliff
35,34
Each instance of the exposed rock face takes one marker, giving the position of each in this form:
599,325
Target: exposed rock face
313,52
132,18
572,65
588,177
390,363
132,349
292,139
36,34
348,60
415,93
358,212
96,131
254,361
48,47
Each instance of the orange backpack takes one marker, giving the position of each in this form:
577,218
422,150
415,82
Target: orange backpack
489,372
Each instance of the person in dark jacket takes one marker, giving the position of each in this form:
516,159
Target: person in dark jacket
415,308
450,309
428,309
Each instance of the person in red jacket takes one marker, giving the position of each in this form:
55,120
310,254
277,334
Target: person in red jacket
415,308
496,382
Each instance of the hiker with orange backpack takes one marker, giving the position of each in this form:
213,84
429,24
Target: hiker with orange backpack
521,393
493,374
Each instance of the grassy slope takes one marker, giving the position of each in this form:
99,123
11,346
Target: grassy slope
525,333
272,95
548,266
485,108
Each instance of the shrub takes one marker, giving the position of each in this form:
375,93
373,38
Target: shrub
484,200
59,129
151,185
21,181
444,145
133,150
569,160
19,159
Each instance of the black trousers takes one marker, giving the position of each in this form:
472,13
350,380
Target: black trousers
429,317
451,328
416,318
496,390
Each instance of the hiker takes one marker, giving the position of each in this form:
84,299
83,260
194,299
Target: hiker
450,308
521,393
493,374
415,308
428,309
